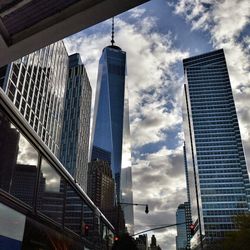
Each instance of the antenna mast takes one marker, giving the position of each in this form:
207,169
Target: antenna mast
112,33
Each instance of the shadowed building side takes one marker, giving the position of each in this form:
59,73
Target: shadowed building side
76,123
101,185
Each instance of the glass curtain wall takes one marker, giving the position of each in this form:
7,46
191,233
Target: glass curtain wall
217,173
35,184
36,84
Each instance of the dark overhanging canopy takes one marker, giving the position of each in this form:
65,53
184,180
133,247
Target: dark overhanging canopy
28,25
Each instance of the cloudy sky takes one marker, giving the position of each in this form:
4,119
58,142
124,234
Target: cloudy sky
156,37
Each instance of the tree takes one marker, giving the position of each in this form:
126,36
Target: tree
239,240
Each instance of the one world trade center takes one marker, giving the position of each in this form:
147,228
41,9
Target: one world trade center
107,129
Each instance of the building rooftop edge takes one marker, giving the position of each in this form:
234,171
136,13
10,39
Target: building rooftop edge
185,60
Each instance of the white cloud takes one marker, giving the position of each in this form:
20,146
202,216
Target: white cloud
154,87
150,56
137,12
159,181
155,95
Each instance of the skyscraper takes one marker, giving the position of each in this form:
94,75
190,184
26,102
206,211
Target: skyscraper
101,186
76,123
127,197
35,84
217,175
187,204
107,126
126,171
183,233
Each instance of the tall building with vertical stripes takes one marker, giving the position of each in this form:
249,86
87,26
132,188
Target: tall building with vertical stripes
107,129
183,233
36,84
218,180
187,204
76,123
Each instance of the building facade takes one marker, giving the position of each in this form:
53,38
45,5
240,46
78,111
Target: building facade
187,204
101,186
126,171
99,153
40,203
127,197
76,123
183,233
101,190
107,129
142,242
217,174
36,84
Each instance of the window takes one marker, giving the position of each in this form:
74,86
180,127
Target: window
51,192
3,71
19,159
73,211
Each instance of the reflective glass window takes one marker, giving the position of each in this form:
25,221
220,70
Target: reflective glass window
73,211
88,218
51,192
18,162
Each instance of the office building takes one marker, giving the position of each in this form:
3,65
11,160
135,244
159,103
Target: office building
142,242
217,174
40,203
76,123
36,84
187,204
126,171
116,217
127,197
188,223
27,174
101,190
107,129
99,153
101,186
183,232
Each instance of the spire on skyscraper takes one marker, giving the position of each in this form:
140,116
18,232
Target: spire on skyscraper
112,32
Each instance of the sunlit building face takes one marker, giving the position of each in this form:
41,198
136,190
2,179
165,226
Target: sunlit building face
217,175
109,108
36,84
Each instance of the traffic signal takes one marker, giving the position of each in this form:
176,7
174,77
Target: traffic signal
146,209
86,230
192,232
116,238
